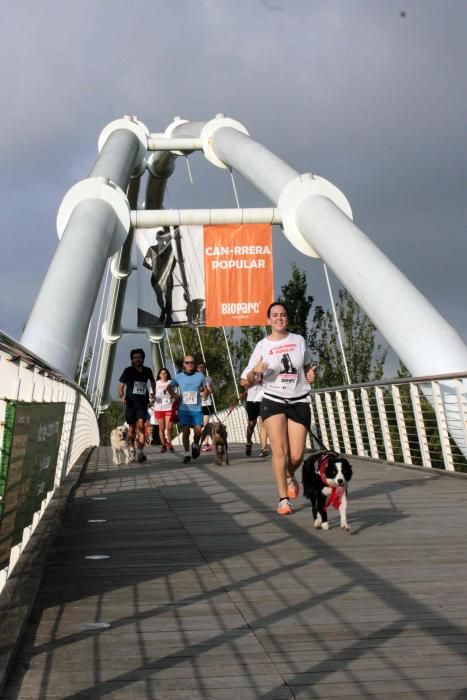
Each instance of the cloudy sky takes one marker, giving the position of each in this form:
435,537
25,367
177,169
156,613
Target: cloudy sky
370,94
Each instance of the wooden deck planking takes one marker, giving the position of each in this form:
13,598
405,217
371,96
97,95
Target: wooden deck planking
210,594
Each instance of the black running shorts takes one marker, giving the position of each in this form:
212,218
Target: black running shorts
252,409
297,412
207,410
135,410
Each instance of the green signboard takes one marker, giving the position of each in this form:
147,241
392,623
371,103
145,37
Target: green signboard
31,441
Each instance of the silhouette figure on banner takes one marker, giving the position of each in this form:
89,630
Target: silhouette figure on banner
169,259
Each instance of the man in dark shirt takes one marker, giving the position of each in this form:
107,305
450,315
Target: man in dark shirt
133,390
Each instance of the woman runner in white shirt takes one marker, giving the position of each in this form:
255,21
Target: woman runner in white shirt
283,364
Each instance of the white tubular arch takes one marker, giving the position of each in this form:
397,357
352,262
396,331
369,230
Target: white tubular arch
316,219
418,333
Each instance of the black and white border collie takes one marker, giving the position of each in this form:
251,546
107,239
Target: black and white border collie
325,476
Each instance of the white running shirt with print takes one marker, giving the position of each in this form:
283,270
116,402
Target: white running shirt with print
285,375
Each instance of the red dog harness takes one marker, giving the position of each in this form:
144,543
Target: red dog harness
337,492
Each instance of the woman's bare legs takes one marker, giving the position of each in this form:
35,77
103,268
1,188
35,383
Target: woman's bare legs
287,440
297,438
263,435
276,428
162,436
168,430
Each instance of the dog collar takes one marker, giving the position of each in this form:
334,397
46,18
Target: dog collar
321,467
335,497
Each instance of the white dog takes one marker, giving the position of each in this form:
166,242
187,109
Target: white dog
118,441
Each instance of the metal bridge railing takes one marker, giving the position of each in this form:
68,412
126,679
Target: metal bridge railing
236,422
420,421
46,422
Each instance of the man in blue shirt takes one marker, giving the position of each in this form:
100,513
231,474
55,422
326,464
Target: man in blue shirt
192,388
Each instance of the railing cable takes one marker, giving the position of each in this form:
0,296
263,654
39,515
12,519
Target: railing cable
83,353
204,360
181,341
174,369
341,345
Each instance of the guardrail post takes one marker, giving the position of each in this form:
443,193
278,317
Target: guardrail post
384,424
355,423
420,424
332,421
462,404
396,397
369,424
343,423
442,427
322,423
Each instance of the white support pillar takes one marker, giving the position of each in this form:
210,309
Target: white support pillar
120,268
59,320
93,222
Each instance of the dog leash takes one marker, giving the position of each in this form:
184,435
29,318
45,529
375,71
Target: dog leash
228,414
318,440
230,411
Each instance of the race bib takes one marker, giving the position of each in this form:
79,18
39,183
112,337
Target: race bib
139,388
166,402
288,381
163,401
190,398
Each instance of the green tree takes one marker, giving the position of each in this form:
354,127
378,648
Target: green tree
244,346
113,416
365,356
298,302
402,371
294,295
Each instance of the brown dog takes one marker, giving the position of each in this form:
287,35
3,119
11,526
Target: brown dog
218,434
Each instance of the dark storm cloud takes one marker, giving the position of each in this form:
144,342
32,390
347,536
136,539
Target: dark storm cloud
350,90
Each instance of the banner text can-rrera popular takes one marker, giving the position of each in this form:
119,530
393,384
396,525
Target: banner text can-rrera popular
238,268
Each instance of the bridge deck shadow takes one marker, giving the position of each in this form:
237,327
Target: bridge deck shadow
207,593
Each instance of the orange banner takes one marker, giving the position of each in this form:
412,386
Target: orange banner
239,274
